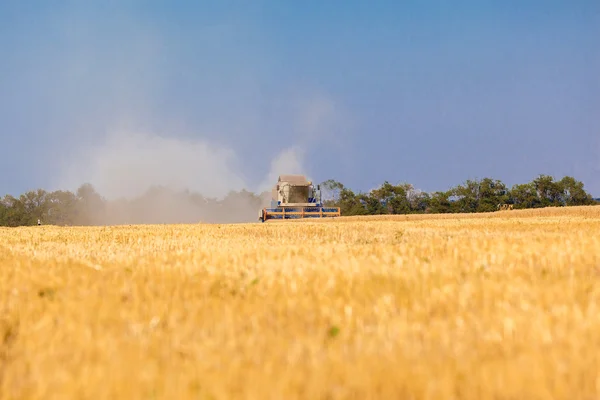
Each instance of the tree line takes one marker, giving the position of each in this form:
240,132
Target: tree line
86,206
157,205
484,195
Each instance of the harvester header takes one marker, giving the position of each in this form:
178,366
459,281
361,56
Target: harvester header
295,197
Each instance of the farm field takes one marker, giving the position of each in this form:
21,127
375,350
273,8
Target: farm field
476,306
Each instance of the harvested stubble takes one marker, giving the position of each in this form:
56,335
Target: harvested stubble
490,306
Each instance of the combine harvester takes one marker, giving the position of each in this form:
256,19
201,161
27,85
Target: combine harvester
294,197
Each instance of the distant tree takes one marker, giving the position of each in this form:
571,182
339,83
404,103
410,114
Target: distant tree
35,206
15,213
419,201
573,193
491,193
62,208
392,199
439,203
159,204
350,203
330,192
91,207
372,205
3,212
548,191
467,196
479,195
524,196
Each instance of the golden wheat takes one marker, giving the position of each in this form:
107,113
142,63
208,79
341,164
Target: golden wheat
488,306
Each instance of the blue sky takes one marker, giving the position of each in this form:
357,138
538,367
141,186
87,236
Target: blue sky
220,95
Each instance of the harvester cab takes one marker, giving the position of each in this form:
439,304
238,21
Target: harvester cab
295,197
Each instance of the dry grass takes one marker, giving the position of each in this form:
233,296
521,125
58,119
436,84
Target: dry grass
490,306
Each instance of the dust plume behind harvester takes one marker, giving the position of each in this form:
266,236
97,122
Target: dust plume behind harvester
294,197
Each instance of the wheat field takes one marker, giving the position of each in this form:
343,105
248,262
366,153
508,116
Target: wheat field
482,306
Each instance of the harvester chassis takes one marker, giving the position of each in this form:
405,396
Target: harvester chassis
300,212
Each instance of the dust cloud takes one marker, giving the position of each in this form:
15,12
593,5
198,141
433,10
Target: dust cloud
289,161
150,179
129,163
171,137
145,177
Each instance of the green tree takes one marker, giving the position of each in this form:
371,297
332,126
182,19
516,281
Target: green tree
14,212
34,206
420,202
440,202
573,192
524,195
467,196
491,193
548,191
3,213
391,199
62,208
350,203
91,207
330,192
372,205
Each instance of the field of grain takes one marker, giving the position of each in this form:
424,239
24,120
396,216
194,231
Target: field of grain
488,306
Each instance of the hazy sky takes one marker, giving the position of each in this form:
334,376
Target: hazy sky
220,95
